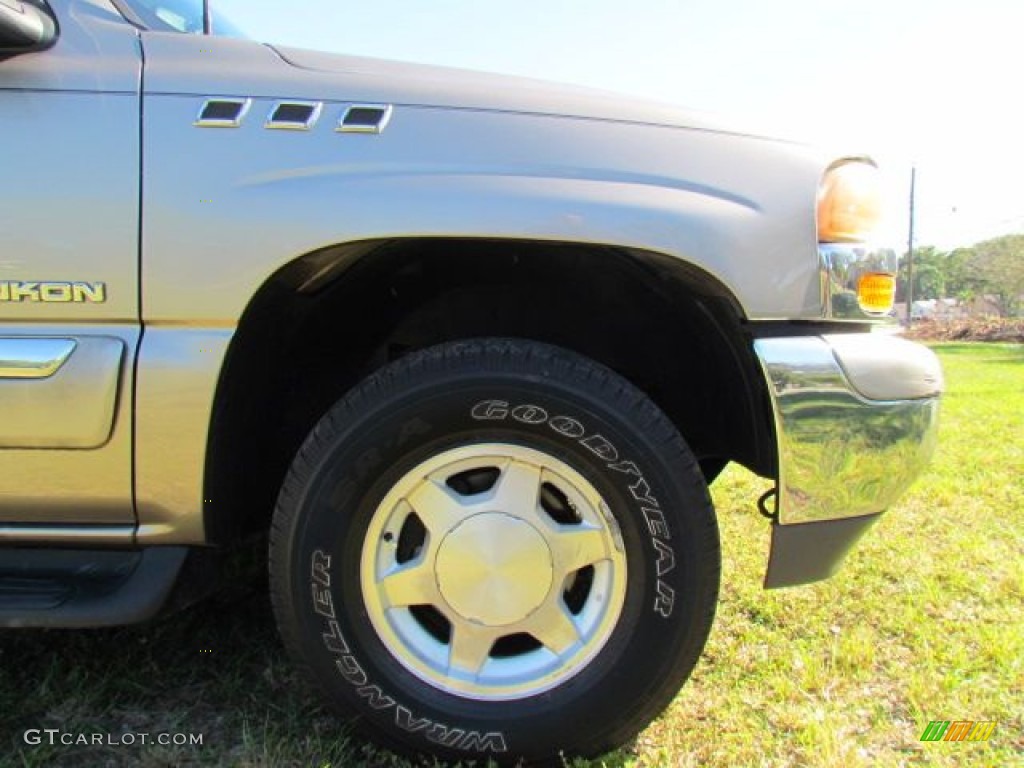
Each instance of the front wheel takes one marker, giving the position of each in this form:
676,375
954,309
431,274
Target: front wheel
496,548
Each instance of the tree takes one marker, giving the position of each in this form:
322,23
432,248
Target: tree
998,266
931,274
993,268
960,283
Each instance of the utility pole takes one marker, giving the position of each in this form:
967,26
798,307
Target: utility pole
910,249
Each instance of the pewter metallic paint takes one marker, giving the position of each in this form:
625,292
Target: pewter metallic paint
70,118
463,155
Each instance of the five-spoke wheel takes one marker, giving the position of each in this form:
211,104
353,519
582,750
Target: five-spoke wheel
494,571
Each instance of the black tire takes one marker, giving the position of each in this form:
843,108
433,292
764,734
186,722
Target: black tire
508,393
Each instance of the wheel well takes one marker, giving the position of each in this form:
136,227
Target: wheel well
324,322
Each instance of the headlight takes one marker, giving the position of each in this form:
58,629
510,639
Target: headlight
849,203
858,279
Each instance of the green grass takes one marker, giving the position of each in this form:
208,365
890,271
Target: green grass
925,621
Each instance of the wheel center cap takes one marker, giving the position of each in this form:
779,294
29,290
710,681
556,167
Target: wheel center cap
494,569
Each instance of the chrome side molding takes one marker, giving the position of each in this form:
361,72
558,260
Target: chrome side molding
71,535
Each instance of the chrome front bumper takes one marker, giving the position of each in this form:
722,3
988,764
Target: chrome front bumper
856,420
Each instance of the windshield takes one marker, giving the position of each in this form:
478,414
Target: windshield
179,16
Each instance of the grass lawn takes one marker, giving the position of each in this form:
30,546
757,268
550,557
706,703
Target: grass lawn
925,622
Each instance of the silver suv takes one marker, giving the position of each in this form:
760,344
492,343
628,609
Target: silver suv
467,349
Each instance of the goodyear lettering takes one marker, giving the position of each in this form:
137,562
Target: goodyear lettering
563,425
665,600
530,414
626,468
600,447
489,410
666,557
642,492
656,523
52,292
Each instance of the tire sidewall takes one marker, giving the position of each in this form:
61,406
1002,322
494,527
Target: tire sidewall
661,513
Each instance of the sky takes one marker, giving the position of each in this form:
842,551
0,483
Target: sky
933,84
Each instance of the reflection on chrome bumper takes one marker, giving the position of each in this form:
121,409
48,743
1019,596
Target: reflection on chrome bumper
847,450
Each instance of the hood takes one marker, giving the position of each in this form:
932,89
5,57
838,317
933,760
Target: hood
429,85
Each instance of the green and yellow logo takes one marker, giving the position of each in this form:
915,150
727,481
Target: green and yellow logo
958,730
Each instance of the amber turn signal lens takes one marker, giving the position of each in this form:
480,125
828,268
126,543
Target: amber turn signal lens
876,292
849,204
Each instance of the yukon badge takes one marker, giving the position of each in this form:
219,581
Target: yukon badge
53,292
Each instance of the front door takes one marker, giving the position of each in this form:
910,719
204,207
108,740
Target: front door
69,255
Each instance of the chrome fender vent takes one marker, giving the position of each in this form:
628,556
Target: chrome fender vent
364,118
223,113
294,115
